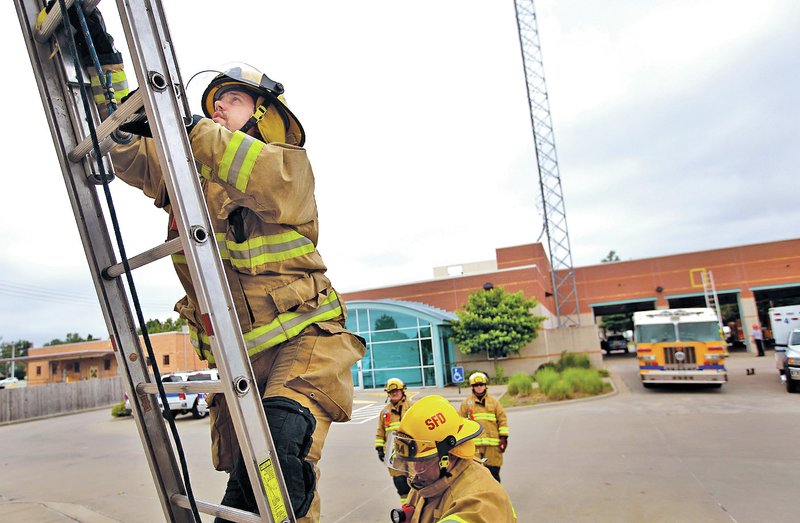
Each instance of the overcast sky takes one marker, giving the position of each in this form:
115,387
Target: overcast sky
677,127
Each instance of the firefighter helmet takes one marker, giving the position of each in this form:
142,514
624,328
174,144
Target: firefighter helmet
478,378
432,426
275,121
394,384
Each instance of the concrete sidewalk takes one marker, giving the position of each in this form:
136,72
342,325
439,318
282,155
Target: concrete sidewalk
453,394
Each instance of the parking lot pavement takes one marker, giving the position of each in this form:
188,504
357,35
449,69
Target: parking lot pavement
711,455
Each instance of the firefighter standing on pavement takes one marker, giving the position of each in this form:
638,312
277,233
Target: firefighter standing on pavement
435,448
389,422
259,189
487,411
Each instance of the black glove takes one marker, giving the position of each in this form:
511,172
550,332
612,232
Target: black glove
103,42
139,125
381,454
195,118
503,443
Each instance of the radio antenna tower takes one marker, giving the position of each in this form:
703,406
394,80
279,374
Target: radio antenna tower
551,204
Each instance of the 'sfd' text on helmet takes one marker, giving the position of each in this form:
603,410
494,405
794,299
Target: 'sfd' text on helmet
435,420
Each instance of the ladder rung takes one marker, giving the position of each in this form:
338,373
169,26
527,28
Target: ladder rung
109,125
53,19
231,514
140,260
186,386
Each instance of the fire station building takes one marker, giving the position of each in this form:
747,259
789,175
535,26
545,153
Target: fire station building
407,326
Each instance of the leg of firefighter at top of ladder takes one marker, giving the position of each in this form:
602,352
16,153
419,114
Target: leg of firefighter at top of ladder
80,138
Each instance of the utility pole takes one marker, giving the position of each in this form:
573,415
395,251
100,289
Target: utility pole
551,204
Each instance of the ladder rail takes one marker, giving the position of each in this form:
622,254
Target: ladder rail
156,82
67,130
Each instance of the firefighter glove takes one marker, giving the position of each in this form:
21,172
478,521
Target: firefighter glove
381,453
503,443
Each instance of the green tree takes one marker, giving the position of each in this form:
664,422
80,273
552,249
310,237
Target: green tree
497,322
610,257
168,325
18,349
617,322
72,337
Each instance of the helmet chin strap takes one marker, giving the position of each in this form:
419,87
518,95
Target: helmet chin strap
256,117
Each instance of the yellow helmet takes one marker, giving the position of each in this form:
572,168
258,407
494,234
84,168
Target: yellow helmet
478,378
394,384
431,427
275,121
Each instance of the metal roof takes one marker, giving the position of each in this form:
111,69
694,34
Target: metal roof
75,355
419,308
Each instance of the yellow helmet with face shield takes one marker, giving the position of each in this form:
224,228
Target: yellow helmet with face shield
275,122
478,378
429,433
394,384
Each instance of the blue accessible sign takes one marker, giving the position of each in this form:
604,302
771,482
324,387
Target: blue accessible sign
458,374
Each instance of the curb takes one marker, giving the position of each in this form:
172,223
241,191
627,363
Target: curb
609,380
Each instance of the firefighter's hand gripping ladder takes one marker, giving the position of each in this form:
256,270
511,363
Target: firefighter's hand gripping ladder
78,142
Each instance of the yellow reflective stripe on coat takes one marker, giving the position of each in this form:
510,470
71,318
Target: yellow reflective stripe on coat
267,249
395,425
284,327
259,249
379,442
453,519
503,431
238,160
485,416
487,442
119,82
201,344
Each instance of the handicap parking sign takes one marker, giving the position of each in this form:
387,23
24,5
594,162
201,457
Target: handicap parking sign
458,374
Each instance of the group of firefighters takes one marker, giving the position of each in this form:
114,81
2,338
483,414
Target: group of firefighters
445,463
258,186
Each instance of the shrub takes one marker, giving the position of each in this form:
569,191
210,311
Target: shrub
570,360
499,374
119,410
546,377
583,380
548,365
560,390
520,384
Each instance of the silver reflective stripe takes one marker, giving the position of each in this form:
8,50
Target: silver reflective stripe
266,249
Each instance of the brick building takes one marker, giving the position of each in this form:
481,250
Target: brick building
748,280
96,359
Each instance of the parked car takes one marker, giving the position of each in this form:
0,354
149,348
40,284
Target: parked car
616,342
206,375
9,382
791,362
188,402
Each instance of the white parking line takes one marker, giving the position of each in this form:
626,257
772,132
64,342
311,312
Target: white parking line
367,413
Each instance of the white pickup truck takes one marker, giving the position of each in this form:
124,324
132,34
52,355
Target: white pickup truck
785,325
184,403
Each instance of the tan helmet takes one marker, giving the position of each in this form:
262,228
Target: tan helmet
394,384
276,123
478,378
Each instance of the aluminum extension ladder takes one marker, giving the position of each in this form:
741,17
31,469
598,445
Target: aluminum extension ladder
161,93
710,294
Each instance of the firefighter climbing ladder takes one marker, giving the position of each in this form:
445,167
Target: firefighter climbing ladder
78,142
